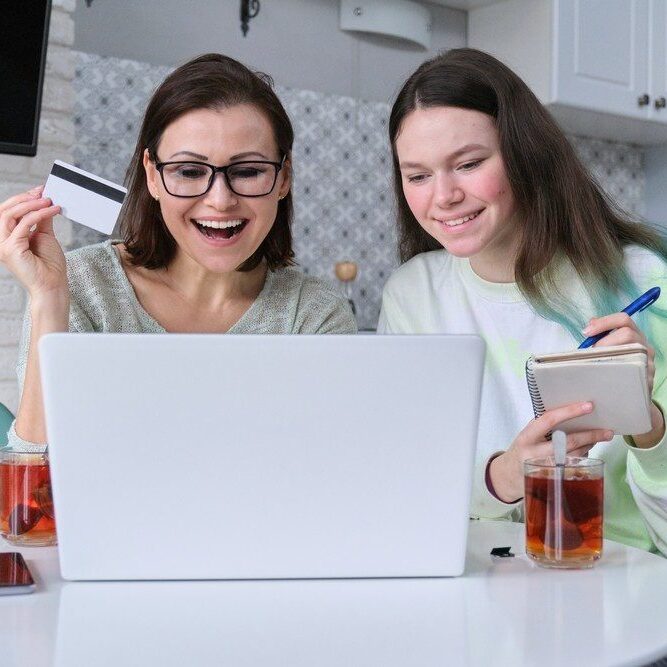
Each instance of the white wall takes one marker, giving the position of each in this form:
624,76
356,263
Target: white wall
297,42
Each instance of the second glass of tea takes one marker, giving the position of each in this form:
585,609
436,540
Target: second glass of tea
563,508
26,503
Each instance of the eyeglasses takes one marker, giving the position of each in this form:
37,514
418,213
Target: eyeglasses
249,178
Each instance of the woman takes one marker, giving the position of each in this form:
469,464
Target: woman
206,233
504,234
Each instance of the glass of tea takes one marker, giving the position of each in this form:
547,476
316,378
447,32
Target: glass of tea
563,508
26,503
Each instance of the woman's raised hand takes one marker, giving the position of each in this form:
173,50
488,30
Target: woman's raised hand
30,250
506,470
28,246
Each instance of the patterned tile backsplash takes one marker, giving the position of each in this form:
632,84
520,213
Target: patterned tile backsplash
342,185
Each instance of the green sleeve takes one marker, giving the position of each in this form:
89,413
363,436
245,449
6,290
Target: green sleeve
647,468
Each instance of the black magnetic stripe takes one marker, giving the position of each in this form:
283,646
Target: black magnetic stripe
88,183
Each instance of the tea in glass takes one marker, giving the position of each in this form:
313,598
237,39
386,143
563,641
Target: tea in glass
564,525
26,503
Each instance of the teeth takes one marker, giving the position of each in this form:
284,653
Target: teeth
216,224
459,221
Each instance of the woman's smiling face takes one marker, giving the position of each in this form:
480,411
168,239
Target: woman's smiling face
455,184
219,230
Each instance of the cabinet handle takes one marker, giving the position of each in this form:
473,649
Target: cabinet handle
643,100
660,103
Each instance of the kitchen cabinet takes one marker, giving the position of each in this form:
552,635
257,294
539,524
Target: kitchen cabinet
655,192
462,4
600,66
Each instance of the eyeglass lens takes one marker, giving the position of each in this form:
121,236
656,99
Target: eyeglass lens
250,179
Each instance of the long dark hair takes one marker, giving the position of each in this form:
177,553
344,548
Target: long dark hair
210,81
563,211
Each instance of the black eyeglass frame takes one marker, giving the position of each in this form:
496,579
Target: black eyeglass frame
223,170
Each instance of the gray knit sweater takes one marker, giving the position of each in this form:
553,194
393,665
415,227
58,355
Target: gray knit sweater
103,300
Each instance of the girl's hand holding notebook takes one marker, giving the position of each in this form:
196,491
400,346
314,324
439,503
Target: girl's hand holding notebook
614,368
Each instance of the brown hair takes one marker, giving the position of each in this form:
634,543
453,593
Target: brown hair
562,210
210,81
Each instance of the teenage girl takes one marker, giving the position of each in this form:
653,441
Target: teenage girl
504,234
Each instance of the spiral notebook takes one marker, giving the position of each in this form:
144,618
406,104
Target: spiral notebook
614,378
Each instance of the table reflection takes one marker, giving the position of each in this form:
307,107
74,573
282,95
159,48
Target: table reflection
362,622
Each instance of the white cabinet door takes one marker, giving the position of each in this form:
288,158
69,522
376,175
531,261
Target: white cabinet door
601,55
658,60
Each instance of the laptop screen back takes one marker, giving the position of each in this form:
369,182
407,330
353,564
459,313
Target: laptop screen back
207,457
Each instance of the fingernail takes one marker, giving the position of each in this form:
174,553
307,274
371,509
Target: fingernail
609,435
587,407
586,330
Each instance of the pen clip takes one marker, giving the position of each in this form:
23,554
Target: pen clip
655,293
643,302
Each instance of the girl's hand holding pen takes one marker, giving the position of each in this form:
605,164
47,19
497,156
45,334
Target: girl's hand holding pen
621,329
641,303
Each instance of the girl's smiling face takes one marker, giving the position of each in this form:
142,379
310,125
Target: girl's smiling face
455,184
219,137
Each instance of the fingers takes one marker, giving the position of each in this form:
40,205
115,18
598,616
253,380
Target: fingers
581,452
18,241
580,444
45,226
35,193
586,439
42,218
623,336
651,374
597,325
538,429
625,330
10,217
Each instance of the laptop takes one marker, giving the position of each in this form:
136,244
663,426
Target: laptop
188,456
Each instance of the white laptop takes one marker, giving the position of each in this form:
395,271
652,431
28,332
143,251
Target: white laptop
260,457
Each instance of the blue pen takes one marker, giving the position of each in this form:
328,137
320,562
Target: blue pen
644,301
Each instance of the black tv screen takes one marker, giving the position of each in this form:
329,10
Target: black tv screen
24,29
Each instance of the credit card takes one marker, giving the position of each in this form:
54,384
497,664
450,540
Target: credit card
83,197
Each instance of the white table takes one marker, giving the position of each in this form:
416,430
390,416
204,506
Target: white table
501,612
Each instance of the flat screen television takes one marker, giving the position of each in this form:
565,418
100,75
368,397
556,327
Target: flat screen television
24,31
